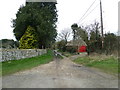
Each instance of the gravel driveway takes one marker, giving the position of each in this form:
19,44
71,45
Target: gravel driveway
60,74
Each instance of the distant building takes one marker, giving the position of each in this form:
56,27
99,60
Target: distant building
78,45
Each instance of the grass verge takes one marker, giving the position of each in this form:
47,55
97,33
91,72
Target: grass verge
107,64
13,66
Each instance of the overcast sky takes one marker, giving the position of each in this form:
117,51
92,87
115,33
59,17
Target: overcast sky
69,12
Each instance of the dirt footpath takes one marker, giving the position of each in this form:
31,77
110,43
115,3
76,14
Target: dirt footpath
60,74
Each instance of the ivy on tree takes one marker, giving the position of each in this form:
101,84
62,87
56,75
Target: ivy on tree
29,40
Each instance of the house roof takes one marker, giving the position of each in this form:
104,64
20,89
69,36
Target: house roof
41,1
78,42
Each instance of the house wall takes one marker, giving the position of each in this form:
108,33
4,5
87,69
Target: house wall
16,54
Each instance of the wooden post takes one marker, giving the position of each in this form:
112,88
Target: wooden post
101,24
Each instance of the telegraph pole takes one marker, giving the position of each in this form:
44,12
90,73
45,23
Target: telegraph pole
101,24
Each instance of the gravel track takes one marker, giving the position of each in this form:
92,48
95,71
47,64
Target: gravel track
60,74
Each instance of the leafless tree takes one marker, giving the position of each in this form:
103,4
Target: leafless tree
64,35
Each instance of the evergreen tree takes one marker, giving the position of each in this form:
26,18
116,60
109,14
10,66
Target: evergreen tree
40,15
79,33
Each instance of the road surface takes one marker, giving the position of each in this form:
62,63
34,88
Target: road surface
60,74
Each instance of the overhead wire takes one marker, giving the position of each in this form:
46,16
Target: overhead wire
89,13
87,10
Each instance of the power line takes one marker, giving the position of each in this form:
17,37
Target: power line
88,10
89,13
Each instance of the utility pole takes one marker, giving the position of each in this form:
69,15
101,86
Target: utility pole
101,24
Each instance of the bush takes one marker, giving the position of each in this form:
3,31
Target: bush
29,40
71,49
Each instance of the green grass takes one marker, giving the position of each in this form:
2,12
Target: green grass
107,64
13,66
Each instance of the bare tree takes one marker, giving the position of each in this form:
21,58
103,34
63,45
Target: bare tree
64,35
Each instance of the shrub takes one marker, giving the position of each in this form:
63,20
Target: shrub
29,40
